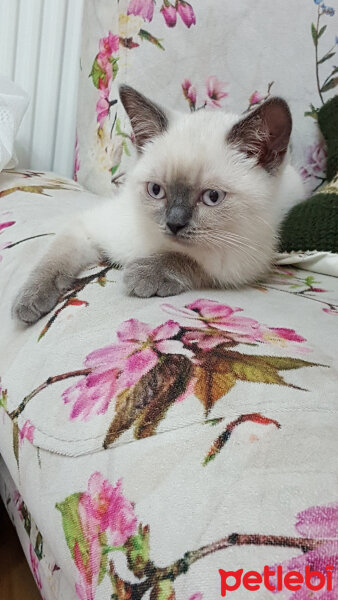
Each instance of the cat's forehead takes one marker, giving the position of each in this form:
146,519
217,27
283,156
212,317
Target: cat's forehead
191,151
202,132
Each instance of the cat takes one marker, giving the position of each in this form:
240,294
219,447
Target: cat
201,207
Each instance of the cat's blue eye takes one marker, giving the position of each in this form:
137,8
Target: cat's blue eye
155,190
213,197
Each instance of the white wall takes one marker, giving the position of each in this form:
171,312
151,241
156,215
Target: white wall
40,50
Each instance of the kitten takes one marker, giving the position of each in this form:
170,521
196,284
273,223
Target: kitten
200,208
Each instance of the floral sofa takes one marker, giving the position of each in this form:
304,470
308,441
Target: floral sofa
147,444
150,448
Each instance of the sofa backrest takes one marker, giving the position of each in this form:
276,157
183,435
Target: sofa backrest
185,55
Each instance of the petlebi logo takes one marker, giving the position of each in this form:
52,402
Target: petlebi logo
276,580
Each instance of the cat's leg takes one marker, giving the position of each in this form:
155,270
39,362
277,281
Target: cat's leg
72,251
164,274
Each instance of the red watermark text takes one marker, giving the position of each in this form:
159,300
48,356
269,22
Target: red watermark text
275,580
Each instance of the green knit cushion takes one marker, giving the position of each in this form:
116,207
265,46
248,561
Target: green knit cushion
328,123
313,224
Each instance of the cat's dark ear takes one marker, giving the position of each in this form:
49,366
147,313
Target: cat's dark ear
265,133
147,118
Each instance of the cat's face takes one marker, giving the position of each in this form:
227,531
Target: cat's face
206,179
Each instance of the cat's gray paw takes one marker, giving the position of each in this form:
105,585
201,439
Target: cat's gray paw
32,303
151,277
36,299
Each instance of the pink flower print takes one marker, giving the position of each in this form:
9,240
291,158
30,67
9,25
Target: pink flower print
255,98
26,432
197,596
282,271
103,104
103,508
89,569
76,159
215,91
169,13
186,13
6,224
104,89
319,521
107,73
142,8
103,70
102,109
316,522
35,566
286,334
16,497
108,45
317,560
143,345
120,366
205,340
209,324
18,503
315,157
91,395
189,92
212,324
331,311
284,338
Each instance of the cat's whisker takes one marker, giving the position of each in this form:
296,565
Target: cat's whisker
234,241
235,236
239,251
222,232
251,257
265,223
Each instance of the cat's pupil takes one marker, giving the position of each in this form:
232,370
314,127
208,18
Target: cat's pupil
213,195
156,189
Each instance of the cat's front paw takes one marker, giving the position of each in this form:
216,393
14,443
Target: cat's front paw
150,277
35,300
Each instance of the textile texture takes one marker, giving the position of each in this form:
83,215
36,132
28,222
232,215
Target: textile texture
150,443
201,55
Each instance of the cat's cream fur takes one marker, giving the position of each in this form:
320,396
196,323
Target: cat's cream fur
228,244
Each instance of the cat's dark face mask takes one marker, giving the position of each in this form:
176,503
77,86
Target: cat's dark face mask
174,208
179,207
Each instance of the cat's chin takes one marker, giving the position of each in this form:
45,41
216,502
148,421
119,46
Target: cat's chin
180,240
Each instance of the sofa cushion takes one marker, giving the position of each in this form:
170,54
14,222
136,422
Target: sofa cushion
105,369
159,430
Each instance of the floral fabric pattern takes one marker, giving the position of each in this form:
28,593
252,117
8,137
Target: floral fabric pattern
317,525
202,361
138,42
319,522
148,445
103,516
